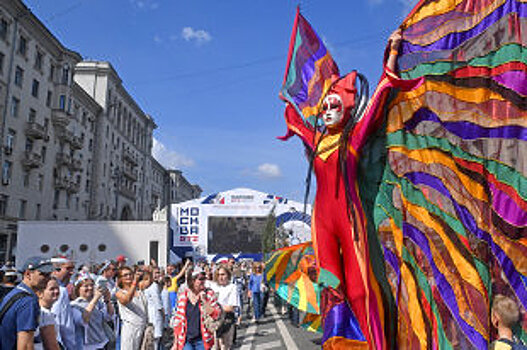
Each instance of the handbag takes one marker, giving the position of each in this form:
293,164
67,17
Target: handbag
148,342
228,322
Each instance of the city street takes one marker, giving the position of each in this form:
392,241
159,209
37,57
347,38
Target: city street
275,331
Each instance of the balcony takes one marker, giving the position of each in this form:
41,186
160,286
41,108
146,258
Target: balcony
60,118
127,192
76,164
130,156
65,135
31,160
74,187
62,182
36,131
63,159
130,173
66,183
77,142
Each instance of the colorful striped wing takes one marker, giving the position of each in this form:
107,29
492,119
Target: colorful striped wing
310,70
451,209
287,271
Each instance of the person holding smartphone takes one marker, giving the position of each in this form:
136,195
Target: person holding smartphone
132,308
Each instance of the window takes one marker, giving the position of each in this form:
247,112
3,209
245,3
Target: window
32,115
22,45
34,88
3,204
48,99
65,74
2,59
19,76
77,201
62,102
40,182
15,106
6,172
10,140
22,209
51,71
37,213
43,153
4,26
68,200
25,179
56,198
38,60
29,144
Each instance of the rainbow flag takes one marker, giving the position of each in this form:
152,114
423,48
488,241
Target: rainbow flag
310,70
450,204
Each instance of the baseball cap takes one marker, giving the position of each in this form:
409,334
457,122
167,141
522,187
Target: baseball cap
121,258
37,263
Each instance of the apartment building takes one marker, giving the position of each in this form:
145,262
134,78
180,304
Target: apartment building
180,190
74,143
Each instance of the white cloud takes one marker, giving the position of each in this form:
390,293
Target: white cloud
158,39
169,158
145,4
200,36
269,171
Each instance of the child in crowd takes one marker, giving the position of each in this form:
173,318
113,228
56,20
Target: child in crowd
504,315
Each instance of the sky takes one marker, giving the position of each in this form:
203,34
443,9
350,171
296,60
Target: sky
209,73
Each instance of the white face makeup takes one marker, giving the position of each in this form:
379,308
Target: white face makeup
332,110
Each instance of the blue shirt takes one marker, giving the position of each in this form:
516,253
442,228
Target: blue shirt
22,316
255,282
64,318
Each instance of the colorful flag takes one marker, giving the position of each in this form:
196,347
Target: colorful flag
310,70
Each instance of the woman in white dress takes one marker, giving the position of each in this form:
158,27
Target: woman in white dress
46,336
228,299
132,308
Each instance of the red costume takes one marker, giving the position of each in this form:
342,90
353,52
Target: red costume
339,228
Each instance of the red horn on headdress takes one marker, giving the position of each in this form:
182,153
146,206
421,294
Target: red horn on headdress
345,88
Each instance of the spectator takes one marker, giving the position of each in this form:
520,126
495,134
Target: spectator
91,310
46,336
197,310
239,282
256,290
106,276
64,269
20,307
121,261
132,308
173,289
228,299
504,315
155,305
8,281
167,281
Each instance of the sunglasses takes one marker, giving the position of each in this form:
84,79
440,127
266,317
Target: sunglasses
201,278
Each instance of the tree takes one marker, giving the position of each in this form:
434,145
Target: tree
269,233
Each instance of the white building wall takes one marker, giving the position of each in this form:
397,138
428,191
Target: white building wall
131,238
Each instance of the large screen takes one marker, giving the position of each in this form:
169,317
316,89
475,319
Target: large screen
230,235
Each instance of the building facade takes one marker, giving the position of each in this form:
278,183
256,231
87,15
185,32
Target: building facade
74,143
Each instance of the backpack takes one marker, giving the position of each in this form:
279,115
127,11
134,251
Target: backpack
514,345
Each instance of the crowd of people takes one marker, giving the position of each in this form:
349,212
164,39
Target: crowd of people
54,304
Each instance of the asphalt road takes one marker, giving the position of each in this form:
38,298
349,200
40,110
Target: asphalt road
274,331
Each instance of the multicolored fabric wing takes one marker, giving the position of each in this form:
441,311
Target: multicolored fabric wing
451,206
288,273
310,70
